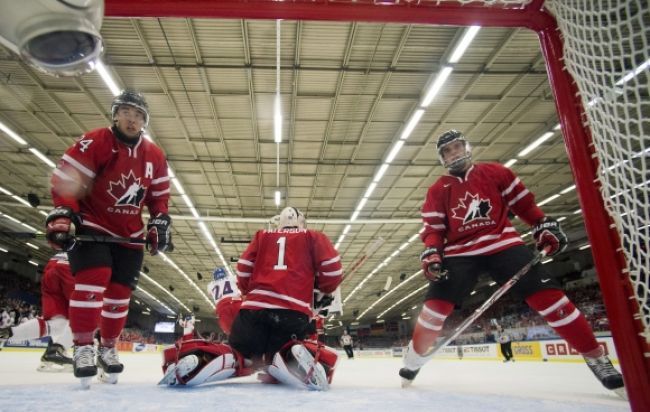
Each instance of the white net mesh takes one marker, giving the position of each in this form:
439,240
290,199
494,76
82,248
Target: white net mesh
606,47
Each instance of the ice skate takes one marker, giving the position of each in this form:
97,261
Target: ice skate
181,369
84,364
605,372
412,362
109,363
55,360
407,376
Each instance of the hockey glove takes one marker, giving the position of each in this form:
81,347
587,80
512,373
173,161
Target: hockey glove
549,235
60,226
432,265
321,302
159,234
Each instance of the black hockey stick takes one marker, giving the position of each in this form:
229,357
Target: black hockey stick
79,238
489,302
85,238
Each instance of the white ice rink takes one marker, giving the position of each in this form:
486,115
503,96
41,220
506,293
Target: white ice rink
363,384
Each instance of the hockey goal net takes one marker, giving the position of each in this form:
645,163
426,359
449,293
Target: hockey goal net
598,62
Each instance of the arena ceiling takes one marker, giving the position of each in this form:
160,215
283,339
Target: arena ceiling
348,90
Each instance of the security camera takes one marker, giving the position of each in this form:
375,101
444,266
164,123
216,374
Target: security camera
58,37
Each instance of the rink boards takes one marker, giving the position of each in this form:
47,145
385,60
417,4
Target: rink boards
555,350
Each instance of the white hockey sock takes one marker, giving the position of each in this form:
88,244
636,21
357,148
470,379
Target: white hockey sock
412,360
59,329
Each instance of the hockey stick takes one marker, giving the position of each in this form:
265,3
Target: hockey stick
369,251
85,238
489,302
79,238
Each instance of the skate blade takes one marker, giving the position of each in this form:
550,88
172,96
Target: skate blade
85,382
406,383
621,392
110,378
53,368
170,376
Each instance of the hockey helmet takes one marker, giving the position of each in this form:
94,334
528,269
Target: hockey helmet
219,273
131,98
291,217
448,137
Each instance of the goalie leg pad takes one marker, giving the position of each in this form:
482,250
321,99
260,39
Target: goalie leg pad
297,367
218,369
325,355
177,371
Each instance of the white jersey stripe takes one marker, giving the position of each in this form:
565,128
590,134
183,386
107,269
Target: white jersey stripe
83,169
511,187
254,304
489,248
482,239
279,296
518,197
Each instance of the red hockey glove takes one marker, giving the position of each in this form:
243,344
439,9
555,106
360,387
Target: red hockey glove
549,235
60,228
159,234
432,265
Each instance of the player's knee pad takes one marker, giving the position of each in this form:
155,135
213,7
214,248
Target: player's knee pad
295,365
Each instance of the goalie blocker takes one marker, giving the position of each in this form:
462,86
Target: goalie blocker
304,364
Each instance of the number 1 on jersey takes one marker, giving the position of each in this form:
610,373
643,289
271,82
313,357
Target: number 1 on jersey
280,265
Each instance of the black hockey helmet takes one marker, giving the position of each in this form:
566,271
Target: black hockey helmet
448,137
131,98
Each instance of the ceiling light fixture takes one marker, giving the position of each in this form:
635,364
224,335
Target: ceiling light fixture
464,43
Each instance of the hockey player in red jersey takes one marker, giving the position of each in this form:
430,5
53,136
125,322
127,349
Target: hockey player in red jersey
56,287
101,186
467,232
276,275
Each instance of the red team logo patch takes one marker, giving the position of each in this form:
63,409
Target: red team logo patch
127,191
472,208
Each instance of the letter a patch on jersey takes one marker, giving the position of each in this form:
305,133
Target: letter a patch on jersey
471,208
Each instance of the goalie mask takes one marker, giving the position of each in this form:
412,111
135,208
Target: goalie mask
291,217
131,98
447,151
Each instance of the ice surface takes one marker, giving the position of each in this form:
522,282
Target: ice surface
362,384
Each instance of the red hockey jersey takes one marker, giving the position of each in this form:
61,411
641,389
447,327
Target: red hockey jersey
279,268
118,180
469,216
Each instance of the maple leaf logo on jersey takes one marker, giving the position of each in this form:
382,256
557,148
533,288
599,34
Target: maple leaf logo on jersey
127,191
472,208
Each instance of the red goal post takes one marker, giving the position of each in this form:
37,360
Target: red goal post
598,63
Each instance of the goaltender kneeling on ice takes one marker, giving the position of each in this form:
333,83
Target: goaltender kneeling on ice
303,364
